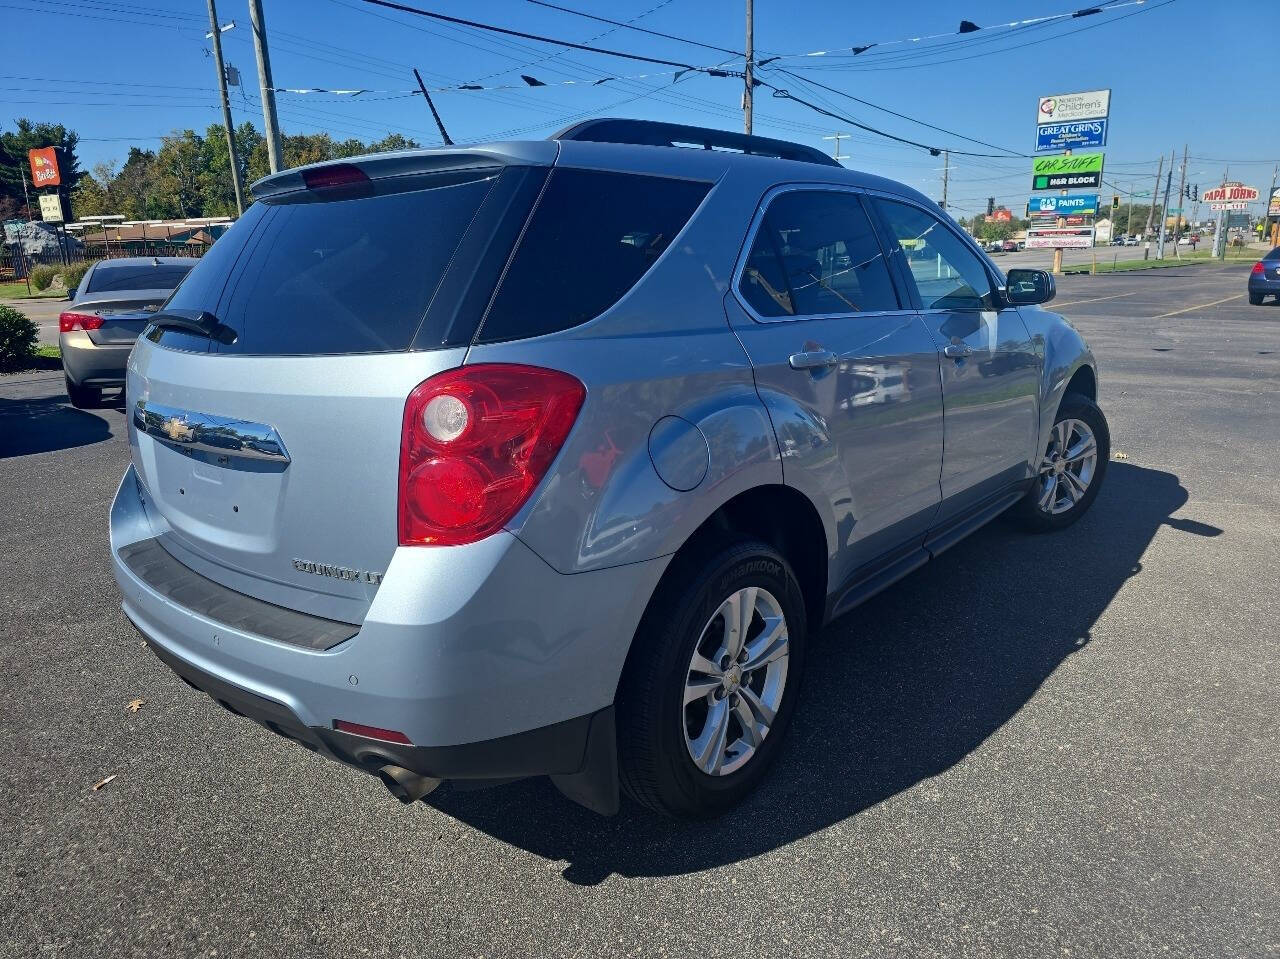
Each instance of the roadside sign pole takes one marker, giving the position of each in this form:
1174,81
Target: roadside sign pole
1164,210
1062,222
1151,210
1177,217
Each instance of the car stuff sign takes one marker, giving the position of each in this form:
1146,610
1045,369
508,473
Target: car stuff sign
1075,135
1065,107
1083,204
1273,208
45,170
1060,238
1066,172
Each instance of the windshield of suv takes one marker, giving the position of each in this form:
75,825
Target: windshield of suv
308,274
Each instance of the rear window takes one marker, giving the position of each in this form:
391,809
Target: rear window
114,278
1273,255
592,237
318,275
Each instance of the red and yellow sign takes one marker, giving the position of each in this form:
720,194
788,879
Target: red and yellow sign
44,167
1230,193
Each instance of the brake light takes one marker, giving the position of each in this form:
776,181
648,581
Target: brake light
327,177
1259,268
372,732
68,322
476,442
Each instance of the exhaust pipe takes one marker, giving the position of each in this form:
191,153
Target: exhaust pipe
405,785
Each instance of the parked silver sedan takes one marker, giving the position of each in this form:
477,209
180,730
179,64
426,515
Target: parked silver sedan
110,307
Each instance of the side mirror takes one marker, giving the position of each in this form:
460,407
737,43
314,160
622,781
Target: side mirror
1028,287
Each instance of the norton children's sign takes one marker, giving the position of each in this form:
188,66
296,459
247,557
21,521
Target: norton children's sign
1064,172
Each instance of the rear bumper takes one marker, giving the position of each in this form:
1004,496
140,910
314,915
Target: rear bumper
1264,284
88,364
491,663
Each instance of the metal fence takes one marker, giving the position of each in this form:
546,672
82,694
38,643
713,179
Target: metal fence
16,265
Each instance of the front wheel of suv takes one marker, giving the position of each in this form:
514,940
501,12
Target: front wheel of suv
711,681
1071,467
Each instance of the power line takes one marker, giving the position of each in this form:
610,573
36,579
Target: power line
389,4
629,26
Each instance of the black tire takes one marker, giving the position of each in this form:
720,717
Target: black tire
1255,299
655,764
1028,511
82,397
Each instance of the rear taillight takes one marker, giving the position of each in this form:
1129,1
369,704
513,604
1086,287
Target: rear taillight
1258,268
328,177
476,442
69,322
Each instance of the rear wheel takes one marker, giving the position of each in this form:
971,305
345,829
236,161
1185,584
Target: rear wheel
1255,299
1071,468
82,397
711,682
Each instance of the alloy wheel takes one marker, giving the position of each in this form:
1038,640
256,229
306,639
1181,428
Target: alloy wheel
1068,466
735,682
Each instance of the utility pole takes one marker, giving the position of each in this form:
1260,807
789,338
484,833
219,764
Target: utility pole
226,107
836,154
1164,211
1182,188
946,175
1155,196
749,76
275,154
444,134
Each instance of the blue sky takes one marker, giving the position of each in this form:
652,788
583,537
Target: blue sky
122,72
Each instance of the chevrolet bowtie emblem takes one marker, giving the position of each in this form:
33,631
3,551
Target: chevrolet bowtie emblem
177,430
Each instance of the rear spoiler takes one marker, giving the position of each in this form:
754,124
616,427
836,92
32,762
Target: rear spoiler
379,166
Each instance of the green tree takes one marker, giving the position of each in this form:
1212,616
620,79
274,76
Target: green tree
90,197
179,165
393,141
29,135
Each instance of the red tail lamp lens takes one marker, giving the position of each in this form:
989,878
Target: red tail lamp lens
327,177
69,322
476,442
1259,268
372,732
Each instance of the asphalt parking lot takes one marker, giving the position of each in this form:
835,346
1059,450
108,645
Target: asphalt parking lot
1056,745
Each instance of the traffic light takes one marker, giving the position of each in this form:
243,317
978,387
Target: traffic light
1195,191
991,205
1115,201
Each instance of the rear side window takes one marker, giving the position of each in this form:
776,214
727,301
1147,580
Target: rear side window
592,237
113,278
1273,255
815,254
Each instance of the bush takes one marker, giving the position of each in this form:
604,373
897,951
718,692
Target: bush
42,275
73,274
17,338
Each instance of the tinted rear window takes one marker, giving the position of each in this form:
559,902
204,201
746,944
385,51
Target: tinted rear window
114,278
592,237
352,274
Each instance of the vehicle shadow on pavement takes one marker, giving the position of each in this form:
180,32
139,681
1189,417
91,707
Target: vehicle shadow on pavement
43,424
899,690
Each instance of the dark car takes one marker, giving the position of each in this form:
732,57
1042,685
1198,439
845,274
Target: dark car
111,306
1264,278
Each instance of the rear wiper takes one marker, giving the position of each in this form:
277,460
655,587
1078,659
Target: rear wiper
195,321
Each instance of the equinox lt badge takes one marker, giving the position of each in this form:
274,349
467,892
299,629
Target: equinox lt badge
336,572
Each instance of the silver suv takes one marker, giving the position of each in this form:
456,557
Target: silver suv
544,458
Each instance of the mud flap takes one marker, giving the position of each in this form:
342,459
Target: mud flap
596,784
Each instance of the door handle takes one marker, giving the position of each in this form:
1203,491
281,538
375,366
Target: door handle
813,360
957,351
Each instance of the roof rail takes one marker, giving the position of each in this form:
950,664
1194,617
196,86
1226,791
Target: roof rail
656,133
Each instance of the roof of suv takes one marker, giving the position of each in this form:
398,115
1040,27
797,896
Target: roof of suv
638,145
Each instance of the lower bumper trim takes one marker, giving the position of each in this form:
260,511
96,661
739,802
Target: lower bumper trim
580,754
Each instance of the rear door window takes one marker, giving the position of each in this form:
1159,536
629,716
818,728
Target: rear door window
592,237
815,254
